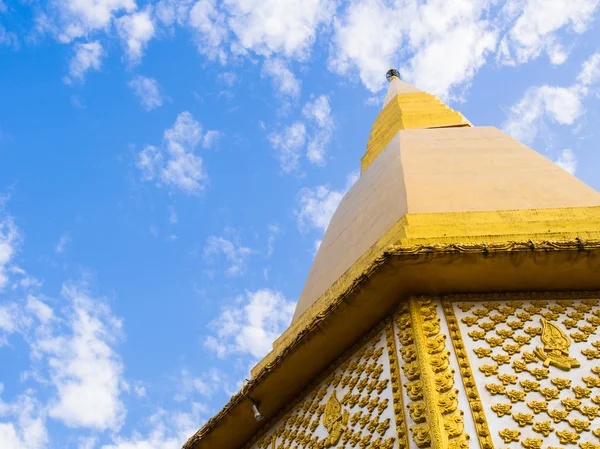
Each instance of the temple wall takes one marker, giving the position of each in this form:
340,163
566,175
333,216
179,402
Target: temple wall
456,373
354,406
535,363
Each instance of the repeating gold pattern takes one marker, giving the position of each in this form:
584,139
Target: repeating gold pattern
522,351
349,408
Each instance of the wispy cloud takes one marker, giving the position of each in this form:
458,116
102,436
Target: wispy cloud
234,254
9,240
251,325
147,91
284,81
88,56
62,243
135,30
561,105
176,163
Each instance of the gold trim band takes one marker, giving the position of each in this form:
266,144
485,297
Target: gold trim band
481,425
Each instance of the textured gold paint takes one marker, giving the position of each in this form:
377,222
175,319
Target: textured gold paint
405,111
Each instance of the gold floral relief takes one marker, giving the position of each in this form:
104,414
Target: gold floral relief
535,362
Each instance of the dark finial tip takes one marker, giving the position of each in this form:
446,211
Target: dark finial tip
391,73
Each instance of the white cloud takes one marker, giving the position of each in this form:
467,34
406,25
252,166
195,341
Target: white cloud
176,164
39,309
318,113
210,138
590,71
88,56
169,12
76,18
375,100
87,442
8,38
173,218
287,144
22,279
284,80
135,30
211,30
62,243
278,27
318,245
560,104
273,233
26,425
12,320
445,43
234,253
449,56
82,365
227,78
535,29
251,325
9,240
317,205
366,38
148,92
166,430
139,391
205,384
567,161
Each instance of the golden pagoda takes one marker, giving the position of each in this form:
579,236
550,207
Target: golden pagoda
454,303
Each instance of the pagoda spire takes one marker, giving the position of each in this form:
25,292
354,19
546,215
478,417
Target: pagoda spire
396,86
406,107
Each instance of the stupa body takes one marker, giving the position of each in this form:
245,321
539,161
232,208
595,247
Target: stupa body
454,303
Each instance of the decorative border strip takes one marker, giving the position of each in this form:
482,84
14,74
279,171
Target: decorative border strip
401,428
481,425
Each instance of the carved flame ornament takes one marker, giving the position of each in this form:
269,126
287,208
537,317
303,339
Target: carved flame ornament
335,420
556,347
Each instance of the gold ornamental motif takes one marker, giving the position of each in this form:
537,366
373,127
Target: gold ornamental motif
566,437
334,420
556,347
509,435
502,409
588,445
543,427
523,419
532,443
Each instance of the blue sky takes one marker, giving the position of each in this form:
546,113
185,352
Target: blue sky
167,170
